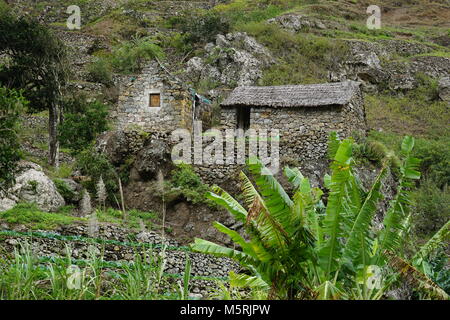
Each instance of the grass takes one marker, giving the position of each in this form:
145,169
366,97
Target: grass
418,112
25,276
31,216
302,58
135,219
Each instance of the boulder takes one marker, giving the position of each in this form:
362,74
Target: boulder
296,22
234,59
154,156
444,89
32,186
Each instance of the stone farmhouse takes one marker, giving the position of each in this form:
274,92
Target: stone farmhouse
157,102
303,114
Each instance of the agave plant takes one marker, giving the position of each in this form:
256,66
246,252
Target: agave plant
300,248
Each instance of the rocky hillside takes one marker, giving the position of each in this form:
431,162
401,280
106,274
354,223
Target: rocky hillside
214,46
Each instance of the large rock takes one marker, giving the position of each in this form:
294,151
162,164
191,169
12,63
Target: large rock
235,59
154,156
296,22
377,67
444,89
32,186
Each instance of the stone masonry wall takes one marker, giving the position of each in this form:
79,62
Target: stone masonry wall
303,132
174,112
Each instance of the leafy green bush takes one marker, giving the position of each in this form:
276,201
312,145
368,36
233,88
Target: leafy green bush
127,58
130,56
12,104
64,190
434,154
184,181
100,70
95,164
83,121
432,208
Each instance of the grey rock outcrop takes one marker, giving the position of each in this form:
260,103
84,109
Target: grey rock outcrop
296,22
32,186
376,65
444,89
234,59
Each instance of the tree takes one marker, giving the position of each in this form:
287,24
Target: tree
301,249
83,121
12,103
35,63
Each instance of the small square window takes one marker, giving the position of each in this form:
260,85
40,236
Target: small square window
155,100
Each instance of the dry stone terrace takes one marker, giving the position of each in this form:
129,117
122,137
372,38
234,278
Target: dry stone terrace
175,256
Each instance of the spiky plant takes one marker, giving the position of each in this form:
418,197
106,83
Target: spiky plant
300,249
101,192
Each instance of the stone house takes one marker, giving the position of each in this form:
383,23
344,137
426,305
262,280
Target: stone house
155,101
303,114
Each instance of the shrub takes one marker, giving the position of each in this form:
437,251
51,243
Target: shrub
130,56
64,190
431,208
100,70
184,181
126,58
95,164
12,104
83,121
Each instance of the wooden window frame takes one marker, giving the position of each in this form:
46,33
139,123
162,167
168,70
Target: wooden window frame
150,100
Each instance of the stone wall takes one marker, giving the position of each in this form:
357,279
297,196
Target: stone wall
304,130
120,251
304,133
134,111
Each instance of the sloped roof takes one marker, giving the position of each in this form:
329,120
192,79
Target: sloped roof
337,93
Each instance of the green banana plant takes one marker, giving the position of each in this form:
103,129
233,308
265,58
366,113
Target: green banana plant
299,248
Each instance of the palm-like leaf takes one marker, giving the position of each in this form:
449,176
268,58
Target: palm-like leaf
399,207
358,244
221,197
275,198
333,222
247,281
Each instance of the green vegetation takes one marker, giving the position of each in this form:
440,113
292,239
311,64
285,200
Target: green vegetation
64,190
198,27
83,121
301,249
12,104
25,276
302,58
134,219
418,111
127,58
185,182
37,64
95,165
31,216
